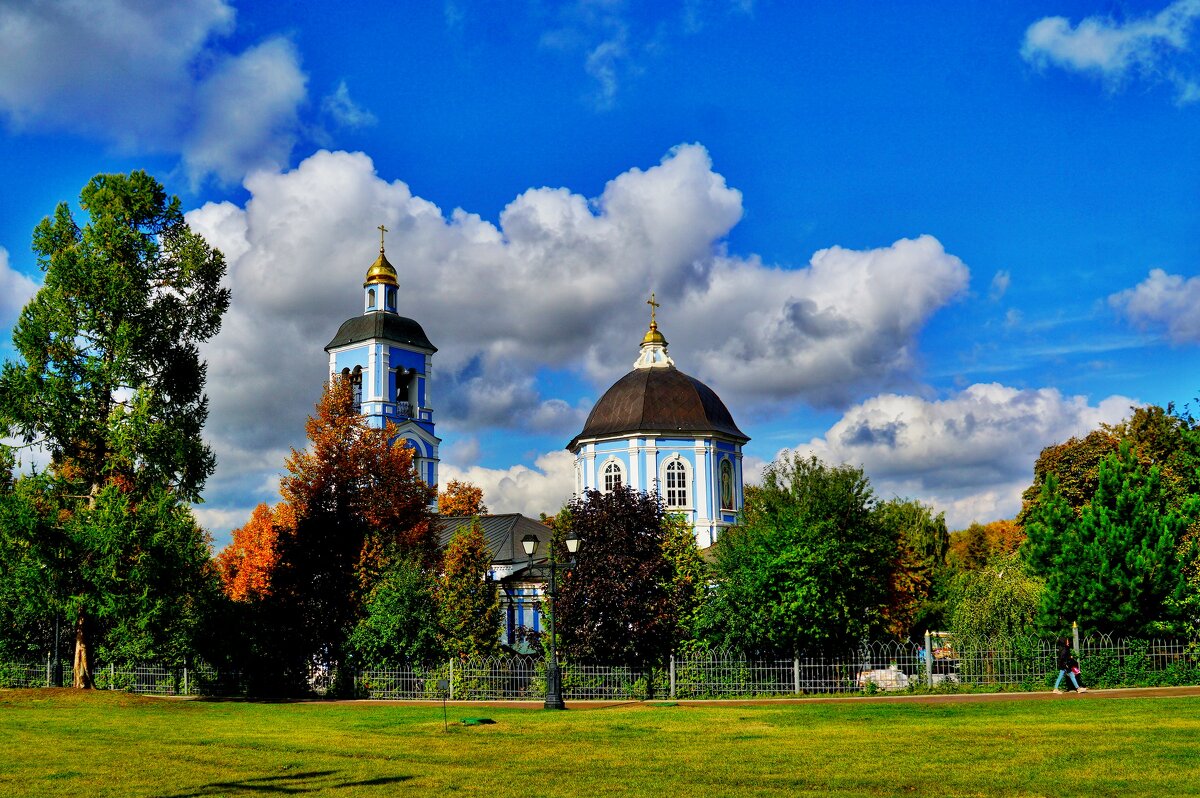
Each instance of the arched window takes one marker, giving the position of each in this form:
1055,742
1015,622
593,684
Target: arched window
613,476
726,485
390,295
677,484
370,297
356,388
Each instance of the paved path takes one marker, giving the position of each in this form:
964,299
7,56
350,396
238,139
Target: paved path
945,698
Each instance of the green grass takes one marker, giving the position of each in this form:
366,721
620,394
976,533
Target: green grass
60,742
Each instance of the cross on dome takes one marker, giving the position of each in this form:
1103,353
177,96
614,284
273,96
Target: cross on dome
654,344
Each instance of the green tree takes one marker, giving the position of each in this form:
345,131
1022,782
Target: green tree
400,623
689,576
922,543
1115,566
469,605
110,382
617,605
998,601
809,568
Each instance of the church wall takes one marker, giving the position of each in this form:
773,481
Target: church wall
643,459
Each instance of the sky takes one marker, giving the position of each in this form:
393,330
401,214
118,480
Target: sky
924,239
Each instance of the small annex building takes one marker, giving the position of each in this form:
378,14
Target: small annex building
520,592
658,429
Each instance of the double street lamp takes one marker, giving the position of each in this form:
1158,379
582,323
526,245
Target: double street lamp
529,543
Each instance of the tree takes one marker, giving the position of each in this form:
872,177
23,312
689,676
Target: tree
248,562
110,382
1115,566
922,543
689,576
461,498
400,621
979,544
359,505
1074,465
616,604
1157,436
998,601
469,605
809,568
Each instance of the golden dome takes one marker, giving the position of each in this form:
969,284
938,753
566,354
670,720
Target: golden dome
653,336
381,272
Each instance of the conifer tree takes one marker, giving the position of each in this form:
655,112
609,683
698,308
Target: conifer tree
1115,567
109,380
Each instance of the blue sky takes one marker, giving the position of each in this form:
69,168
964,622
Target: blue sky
925,240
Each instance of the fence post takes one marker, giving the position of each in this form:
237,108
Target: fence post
1075,635
112,675
185,683
929,659
451,678
672,675
796,674
48,682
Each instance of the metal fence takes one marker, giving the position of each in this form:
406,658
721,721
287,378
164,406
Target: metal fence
937,663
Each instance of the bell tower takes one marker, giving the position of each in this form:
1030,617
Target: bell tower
389,361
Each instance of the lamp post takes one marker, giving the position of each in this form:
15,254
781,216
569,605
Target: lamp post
529,543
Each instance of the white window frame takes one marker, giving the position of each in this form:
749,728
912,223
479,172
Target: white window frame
604,473
688,483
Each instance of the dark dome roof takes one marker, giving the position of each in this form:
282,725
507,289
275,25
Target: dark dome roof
661,400
388,326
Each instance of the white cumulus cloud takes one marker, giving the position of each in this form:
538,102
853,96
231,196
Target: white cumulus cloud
15,290
152,76
970,454
1164,300
520,489
560,282
1149,46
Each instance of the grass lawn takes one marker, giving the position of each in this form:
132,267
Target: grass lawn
61,742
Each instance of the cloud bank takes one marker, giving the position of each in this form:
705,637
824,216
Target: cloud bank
149,76
970,454
559,283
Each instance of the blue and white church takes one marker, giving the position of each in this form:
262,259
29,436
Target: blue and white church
389,361
657,429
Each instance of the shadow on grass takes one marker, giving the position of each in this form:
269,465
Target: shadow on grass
287,784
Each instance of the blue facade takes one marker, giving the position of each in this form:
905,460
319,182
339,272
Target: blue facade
686,472
656,429
389,362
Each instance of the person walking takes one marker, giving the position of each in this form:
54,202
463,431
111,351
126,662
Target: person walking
1067,666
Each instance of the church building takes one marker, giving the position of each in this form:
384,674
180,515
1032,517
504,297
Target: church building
389,361
658,429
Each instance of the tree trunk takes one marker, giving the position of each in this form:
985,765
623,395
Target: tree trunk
83,654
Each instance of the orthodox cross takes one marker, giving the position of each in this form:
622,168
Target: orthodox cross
382,230
654,306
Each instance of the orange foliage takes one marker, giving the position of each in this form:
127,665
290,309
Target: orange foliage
247,564
977,545
461,498
352,473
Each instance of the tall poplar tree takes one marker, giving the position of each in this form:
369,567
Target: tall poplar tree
109,380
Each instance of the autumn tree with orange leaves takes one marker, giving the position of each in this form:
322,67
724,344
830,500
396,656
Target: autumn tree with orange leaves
247,564
461,498
358,504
